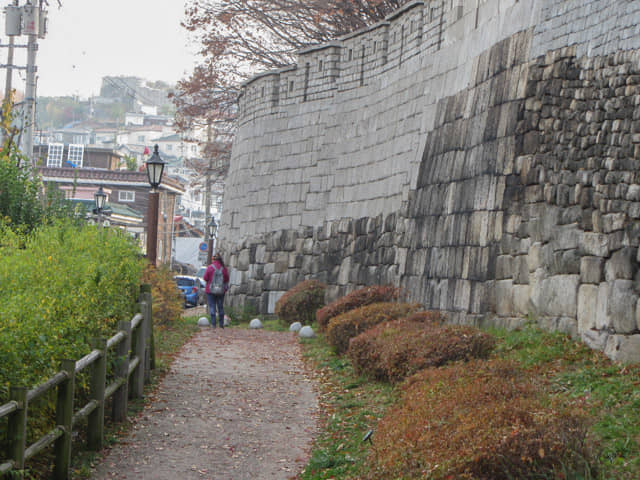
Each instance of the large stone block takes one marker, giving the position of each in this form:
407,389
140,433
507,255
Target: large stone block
243,260
595,244
621,265
621,306
281,263
591,269
557,296
273,299
595,339
603,321
522,300
623,348
504,298
504,267
539,255
587,307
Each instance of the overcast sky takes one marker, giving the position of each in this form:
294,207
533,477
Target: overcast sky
89,39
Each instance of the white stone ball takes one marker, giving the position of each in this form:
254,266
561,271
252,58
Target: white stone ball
255,323
295,327
227,321
203,322
307,332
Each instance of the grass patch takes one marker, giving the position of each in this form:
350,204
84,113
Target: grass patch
352,406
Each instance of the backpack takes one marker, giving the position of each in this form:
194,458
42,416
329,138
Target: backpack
216,286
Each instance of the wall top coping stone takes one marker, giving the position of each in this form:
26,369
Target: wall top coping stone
362,31
268,73
403,9
338,43
322,46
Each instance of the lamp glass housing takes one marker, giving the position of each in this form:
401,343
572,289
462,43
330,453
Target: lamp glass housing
100,198
155,168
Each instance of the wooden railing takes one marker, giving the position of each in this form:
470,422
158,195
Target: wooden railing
133,346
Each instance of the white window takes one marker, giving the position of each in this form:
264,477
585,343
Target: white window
140,138
169,147
54,154
194,148
126,196
75,155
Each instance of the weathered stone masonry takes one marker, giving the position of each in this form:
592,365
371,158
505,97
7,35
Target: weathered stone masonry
495,186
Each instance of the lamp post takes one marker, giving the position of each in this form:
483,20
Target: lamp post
212,228
100,198
155,169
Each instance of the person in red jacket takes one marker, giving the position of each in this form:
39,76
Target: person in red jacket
217,279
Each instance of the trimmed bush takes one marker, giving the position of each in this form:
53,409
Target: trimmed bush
300,303
60,286
479,420
394,350
344,327
357,298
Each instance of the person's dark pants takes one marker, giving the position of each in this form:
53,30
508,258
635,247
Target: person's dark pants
216,302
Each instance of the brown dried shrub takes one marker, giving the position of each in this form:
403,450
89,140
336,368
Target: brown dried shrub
484,419
392,351
350,324
357,298
300,303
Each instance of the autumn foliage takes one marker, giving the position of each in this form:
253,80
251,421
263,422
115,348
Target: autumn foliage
344,327
394,350
357,298
300,303
478,420
167,299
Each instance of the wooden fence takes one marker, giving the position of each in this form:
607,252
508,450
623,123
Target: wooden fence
133,345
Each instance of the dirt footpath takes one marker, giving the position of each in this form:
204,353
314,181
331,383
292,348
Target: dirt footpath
235,405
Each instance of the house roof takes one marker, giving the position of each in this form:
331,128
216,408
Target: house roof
169,138
95,176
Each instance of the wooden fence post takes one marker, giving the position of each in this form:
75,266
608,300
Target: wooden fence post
139,348
64,420
18,427
119,412
150,353
95,422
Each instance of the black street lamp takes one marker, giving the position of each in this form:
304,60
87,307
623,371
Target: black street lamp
100,198
212,228
155,169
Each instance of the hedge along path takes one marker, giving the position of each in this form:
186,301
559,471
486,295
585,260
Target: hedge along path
236,404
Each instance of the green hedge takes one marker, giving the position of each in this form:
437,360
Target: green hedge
61,286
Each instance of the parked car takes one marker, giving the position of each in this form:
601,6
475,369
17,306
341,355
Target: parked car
192,288
200,273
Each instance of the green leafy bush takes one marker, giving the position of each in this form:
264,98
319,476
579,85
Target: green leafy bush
479,420
394,350
357,298
300,303
352,323
60,287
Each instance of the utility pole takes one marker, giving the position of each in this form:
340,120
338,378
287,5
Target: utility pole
12,28
34,26
8,82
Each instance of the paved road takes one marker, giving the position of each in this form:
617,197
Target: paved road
235,405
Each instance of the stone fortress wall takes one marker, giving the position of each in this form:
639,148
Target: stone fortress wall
480,154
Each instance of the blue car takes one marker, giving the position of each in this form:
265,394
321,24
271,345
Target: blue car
192,289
